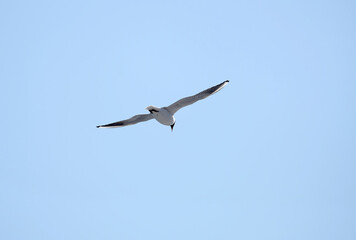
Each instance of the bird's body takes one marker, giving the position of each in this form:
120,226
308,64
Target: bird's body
165,115
162,115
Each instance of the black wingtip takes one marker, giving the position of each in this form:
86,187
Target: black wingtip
227,81
98,126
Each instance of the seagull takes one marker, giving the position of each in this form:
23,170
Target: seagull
165,115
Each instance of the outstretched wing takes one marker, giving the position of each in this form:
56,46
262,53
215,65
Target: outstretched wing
173,108
135,119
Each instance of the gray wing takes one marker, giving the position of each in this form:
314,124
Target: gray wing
135,119
173,108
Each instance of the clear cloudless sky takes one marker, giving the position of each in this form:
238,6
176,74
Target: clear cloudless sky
271,156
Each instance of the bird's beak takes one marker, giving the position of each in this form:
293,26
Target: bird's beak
172,126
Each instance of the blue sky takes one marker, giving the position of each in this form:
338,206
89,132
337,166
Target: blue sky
271,156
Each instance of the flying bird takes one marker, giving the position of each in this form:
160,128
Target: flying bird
165,115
